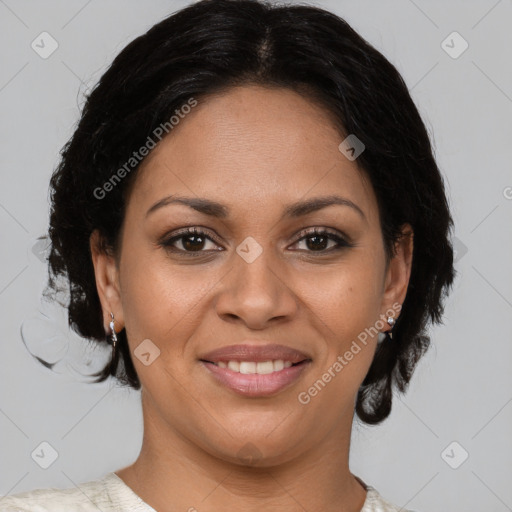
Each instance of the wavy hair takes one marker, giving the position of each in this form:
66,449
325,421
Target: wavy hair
211,46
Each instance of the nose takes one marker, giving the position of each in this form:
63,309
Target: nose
256,293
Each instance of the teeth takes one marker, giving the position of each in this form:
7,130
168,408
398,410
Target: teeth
265,367
246,367
251,367
234,365
278,365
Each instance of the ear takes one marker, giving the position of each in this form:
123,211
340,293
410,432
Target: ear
107,282
398,273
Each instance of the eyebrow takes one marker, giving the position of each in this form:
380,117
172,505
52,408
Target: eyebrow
218,210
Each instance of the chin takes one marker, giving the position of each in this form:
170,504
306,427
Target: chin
258,450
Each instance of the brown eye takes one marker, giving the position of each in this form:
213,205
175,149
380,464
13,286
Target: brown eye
317,240
191,240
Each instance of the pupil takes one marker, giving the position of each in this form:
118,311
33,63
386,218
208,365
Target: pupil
319,242
314,245
193,246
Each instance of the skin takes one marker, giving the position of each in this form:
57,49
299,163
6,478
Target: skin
255,150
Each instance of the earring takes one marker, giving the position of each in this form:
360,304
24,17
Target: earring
113,336
391,322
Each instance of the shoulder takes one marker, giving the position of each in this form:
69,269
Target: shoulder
376,503
85,497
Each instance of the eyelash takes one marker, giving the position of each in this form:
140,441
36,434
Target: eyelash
167,243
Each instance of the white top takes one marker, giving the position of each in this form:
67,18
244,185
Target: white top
111,494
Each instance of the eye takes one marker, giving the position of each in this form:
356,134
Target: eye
317,240
193,240
189,240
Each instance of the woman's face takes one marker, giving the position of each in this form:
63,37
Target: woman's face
255,275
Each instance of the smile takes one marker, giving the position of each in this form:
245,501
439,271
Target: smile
250,367
256,379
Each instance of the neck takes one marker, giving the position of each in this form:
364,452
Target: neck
174,473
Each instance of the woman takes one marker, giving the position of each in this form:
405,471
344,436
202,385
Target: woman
250,212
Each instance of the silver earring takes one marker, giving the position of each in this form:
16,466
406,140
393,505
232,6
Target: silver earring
113,337
391,322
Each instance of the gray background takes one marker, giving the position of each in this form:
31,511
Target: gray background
461,391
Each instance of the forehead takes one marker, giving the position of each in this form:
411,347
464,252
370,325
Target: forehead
253,146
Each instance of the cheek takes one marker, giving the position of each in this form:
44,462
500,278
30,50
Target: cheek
345,306
159,299
345,298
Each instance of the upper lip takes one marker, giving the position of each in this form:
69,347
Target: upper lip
256,353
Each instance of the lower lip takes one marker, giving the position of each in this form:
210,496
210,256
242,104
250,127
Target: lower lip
254,384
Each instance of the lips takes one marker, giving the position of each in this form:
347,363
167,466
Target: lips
256,353
256,370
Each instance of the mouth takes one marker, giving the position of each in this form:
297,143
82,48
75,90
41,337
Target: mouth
254,384
256,367
256,370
